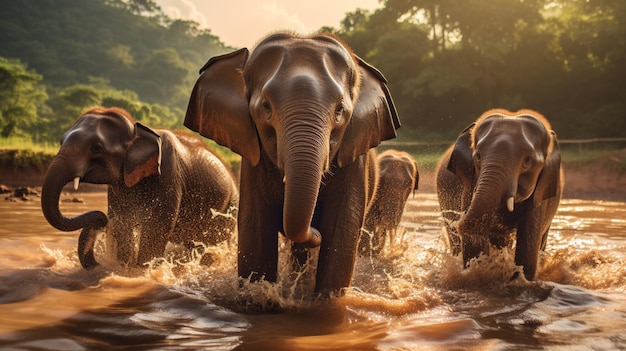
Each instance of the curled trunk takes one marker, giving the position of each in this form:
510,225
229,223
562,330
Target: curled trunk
57,176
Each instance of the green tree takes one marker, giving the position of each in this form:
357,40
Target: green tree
66,105
21,97
162,77
130,43
591,43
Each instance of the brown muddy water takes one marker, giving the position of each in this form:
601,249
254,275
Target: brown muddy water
414,297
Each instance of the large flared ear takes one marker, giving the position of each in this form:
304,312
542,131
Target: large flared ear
461,163
218,106
550,178
374,118
143,157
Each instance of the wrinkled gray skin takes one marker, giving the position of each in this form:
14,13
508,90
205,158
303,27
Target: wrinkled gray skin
398,176
504,174
161,184
303,113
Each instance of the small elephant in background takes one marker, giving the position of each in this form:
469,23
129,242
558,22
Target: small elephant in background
163,185
398,176
503,175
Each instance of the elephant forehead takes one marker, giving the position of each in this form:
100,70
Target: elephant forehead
104,127
300,52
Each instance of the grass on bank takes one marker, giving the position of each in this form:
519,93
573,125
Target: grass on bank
23,154
20,143
610,156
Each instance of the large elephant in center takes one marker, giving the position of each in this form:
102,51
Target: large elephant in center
502,176
303,112
163,187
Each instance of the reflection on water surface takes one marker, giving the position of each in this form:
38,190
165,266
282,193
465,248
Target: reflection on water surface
416,296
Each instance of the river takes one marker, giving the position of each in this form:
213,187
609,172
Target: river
414,296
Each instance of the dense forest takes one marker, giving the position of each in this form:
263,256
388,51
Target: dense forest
446,62
58,57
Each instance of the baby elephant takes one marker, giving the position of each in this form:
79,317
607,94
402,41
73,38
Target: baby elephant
398,177
164,186
503,175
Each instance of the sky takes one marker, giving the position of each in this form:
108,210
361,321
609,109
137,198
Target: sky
241,23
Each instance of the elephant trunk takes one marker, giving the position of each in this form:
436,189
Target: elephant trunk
496,183
304,165
57,176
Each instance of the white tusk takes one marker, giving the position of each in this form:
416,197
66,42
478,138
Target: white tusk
284,179
76,182
510,204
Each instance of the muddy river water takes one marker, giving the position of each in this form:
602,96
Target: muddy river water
414,297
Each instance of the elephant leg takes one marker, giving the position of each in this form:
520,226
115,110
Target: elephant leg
450,193
258,227
152,243
473,244
123,242
158,205
529,241
455,241
341,221
120,238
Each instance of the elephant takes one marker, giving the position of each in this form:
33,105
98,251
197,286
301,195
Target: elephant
398,176
303,112
162,185
502,176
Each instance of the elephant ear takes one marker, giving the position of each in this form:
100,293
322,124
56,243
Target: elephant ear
218,106
374,118
461,163
550,178
143,157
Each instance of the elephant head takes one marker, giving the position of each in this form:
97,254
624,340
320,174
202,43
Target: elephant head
504,160
401,169
105,146
304,103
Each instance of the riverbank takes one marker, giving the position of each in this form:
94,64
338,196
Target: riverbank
596,179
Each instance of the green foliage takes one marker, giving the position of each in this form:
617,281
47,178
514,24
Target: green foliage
25,160
123,53
446,62
21,96
449,61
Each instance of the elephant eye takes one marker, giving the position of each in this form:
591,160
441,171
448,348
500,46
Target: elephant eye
267,108
96,149
339,111
340,108
528,161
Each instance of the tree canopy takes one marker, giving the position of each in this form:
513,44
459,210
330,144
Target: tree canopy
125,53
446,62
449,61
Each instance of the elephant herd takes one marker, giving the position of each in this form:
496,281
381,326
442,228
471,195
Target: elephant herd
305,114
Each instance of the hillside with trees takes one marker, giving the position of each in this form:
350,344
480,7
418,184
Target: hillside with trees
449,61
446,62
62,56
